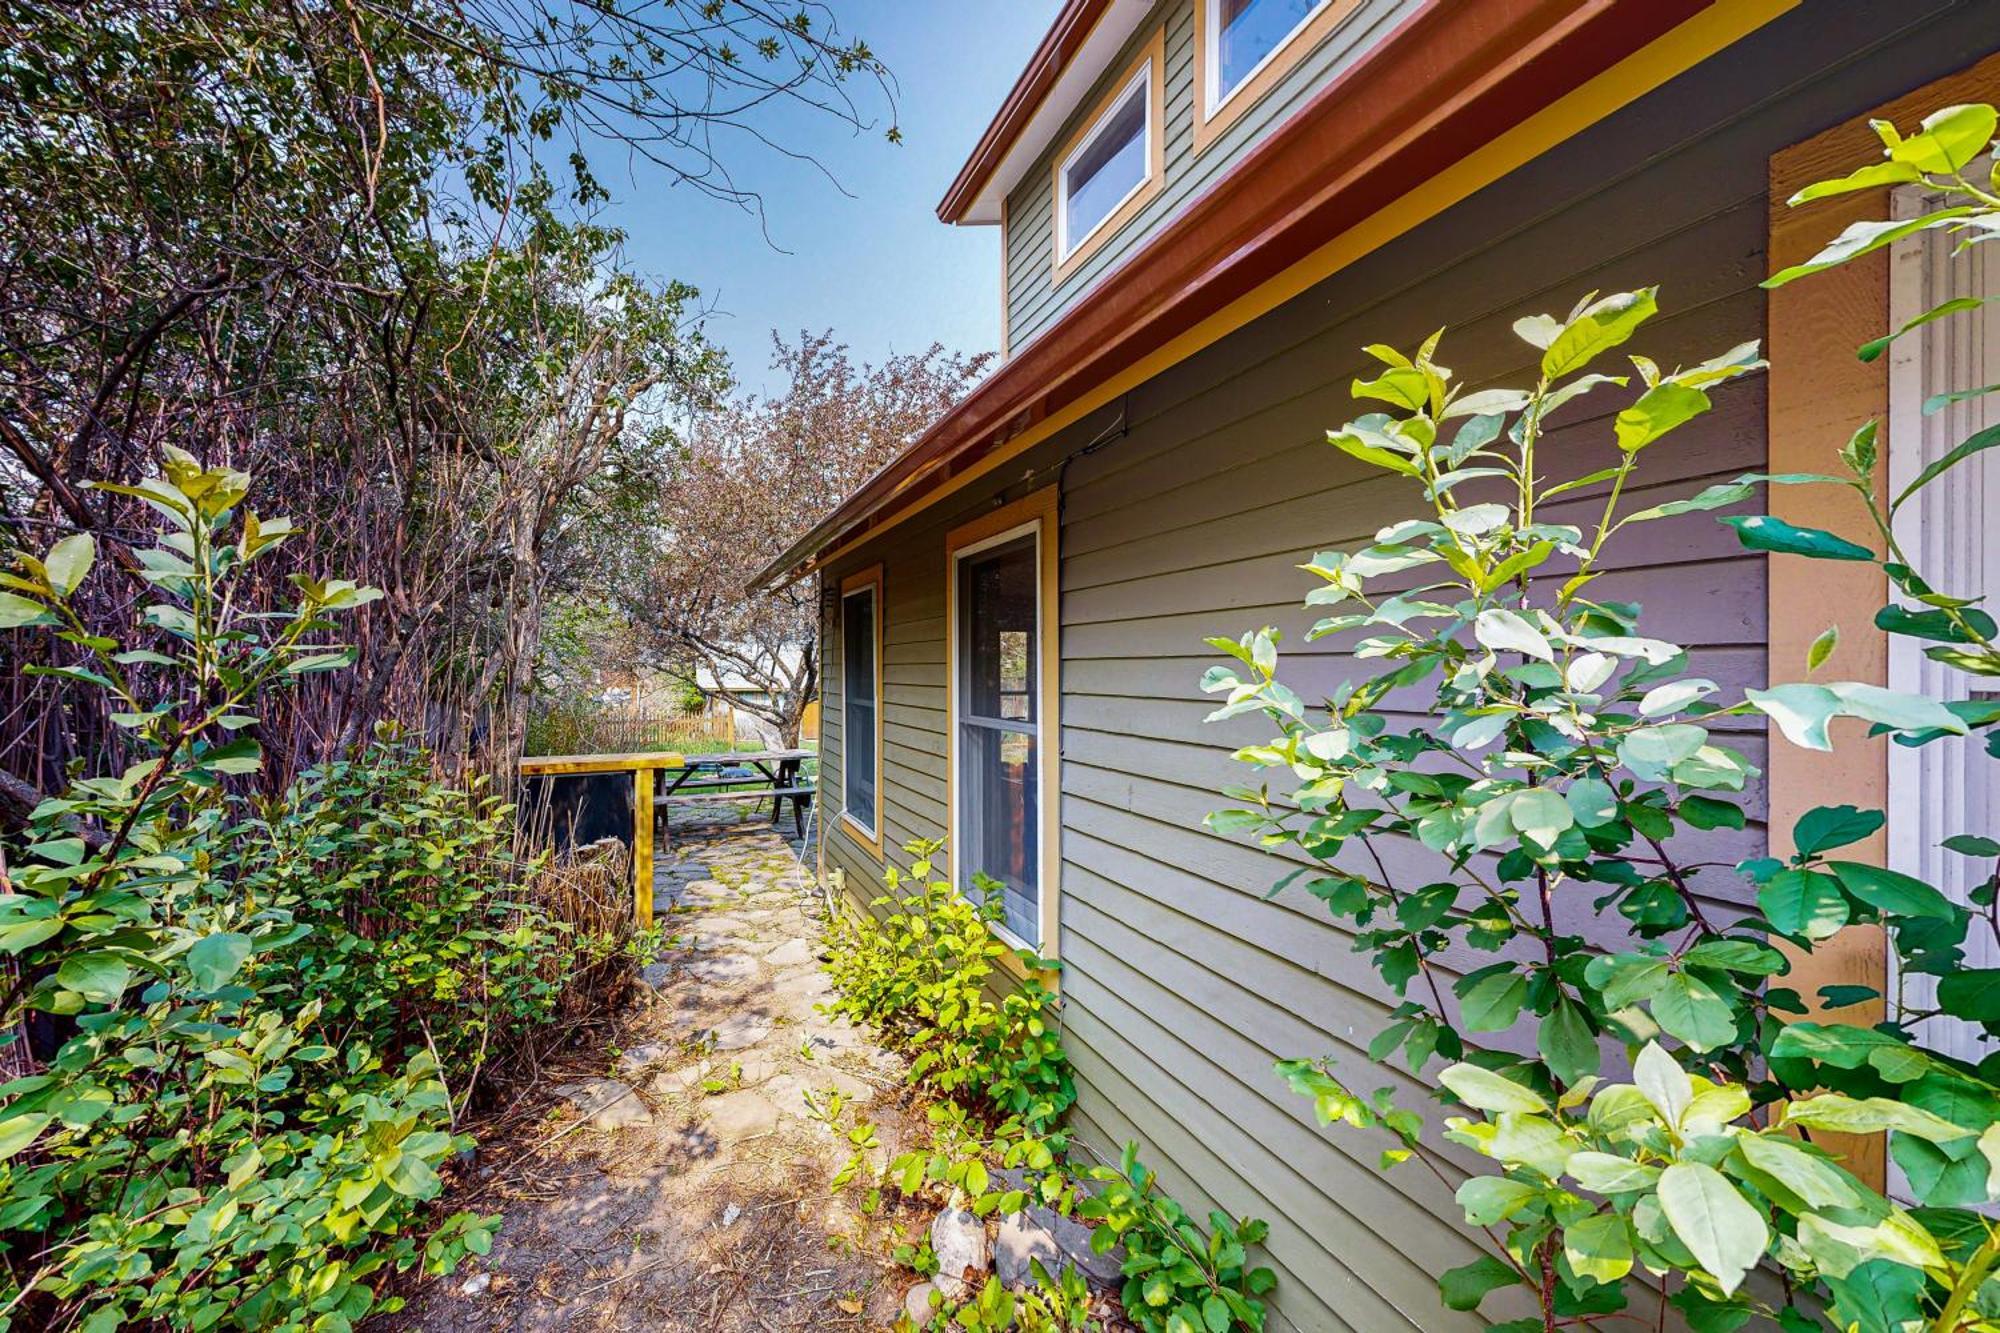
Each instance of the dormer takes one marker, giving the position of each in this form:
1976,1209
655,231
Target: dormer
1130,110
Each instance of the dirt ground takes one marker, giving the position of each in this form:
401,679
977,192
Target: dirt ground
690,1189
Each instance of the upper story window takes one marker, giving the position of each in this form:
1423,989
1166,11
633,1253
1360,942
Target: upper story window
1113,165
1246,46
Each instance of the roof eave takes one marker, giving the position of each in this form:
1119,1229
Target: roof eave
1348,152
1058,47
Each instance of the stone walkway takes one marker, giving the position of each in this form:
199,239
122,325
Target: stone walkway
684,1182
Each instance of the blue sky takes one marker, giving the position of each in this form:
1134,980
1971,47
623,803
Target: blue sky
877,268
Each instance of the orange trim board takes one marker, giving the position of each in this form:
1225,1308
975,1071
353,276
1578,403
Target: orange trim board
1152,58
1209,125
1819,393
867,580
1682,48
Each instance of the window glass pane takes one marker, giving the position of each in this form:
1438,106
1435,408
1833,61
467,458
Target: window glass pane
998,591
857,687
997,821
1251,30
998,732
1111,164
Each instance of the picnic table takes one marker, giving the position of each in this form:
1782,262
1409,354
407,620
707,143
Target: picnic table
737,775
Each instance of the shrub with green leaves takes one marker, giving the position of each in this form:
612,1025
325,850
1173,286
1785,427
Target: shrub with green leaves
424,938
919,965
1566,765
229,1134
1177,1280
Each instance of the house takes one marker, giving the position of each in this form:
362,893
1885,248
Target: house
1208,208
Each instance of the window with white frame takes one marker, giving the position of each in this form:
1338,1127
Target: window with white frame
1108,166
997,714
860,764
1246,36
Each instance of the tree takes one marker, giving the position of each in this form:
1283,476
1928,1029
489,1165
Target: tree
753,475
351,247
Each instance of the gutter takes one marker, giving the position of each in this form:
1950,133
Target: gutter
1451,79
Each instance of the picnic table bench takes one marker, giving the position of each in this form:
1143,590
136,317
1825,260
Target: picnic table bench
713,779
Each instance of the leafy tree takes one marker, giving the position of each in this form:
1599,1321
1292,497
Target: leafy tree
352,247
1565,767
753,475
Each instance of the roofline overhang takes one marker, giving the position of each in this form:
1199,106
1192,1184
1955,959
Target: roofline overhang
1453,78
1059,46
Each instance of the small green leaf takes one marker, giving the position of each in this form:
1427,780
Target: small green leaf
1822,648
1484,1090
1763,532
1826,827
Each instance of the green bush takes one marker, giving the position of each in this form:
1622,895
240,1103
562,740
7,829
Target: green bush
919,967
421,939
1566,764
262,1012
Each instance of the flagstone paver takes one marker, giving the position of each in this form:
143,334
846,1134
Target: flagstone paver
720,1067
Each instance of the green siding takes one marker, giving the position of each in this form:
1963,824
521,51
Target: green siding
1182,983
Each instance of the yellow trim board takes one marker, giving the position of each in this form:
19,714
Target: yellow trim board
1713,30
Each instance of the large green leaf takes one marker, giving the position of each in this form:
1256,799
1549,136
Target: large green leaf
1803,903
1484,1090
1870,177
1598,328
1871,1115
1973,994
16,611
1723,1231
1949,139
1494,1002
1862,238
1691,1009
1504,631
1892,893
1798,1169
1763,532
1608,1173
99,977
1491,1199
1972,444
1665,1084
69,560
19,1131
1803,711
1599,1247
1660,409
1464,1287
215,959
1567,1043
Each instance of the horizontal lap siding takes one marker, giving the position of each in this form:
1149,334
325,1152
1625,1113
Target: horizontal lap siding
1182,983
